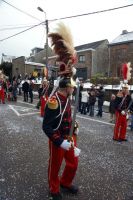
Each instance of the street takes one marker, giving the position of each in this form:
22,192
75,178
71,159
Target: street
105,170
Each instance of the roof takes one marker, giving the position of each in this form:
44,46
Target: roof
89,46
125,37
7,58
38,48
33,63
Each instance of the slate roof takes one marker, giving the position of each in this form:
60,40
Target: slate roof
90,46
125,37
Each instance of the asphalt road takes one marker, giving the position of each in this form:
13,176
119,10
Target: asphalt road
105,170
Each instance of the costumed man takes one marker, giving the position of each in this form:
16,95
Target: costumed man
44,95
58,120
122,104
2,92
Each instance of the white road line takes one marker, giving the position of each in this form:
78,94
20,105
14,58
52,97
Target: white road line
24,108
27,103
95,120
30,113
16,112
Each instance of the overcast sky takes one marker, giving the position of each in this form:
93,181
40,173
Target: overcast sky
85,29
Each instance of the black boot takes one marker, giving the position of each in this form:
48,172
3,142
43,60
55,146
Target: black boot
72,189
55,196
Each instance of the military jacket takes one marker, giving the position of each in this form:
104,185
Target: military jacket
122,103
57,119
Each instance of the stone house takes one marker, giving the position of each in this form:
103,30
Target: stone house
92,59
39,55
120,50
21,66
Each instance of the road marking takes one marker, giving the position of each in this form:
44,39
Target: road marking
16,112
31,104
30,113
95,120
19,109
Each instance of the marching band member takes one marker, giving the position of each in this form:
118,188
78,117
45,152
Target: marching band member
122,102
2,91
58,120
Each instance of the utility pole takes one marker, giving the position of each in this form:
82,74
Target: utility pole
46,45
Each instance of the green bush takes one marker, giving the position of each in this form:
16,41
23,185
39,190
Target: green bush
105,80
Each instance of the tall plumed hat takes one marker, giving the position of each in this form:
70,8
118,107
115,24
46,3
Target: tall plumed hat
62,44
126,73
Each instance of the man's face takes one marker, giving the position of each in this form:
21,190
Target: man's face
125,90
69,90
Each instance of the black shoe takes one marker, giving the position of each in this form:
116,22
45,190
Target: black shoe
72,189
123,140
118,140
55,196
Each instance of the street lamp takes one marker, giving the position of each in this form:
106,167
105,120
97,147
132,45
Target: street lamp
46,23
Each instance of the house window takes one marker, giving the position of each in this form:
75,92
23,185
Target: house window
124,52
81,58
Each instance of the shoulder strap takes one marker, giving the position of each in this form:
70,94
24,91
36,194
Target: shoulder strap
61,111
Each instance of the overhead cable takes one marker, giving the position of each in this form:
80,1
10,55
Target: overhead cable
92,13
17,27
96,12
22,31
22,11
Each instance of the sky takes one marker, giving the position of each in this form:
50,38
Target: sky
85,29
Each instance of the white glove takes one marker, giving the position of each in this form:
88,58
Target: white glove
76,132
66,145
76,151
123,112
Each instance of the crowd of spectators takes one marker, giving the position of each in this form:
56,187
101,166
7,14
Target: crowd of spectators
88,98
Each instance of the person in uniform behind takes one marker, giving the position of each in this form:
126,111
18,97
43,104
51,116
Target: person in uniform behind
122,102
56,125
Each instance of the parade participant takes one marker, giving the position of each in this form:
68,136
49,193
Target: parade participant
122,103
57,122
2,92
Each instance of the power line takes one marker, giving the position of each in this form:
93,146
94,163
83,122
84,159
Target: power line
92,13
96,12
17,27
22,31
22,11
14,25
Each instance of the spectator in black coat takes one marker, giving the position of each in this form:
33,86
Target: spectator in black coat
31,86
80,96
92,100
100,96
25,88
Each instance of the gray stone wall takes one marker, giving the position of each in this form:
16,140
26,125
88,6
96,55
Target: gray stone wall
120,53
18,66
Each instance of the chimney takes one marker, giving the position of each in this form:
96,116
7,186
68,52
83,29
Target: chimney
124,32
